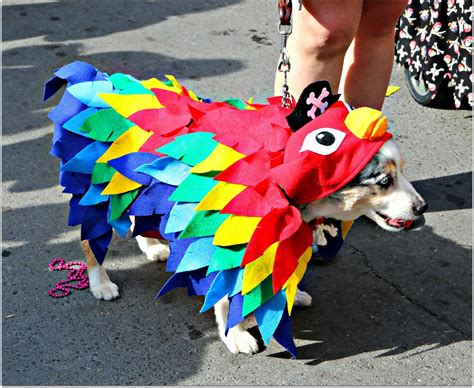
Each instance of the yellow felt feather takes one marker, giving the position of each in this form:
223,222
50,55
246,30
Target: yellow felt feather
128,104
120,184
218,160
258,270
236,230
154,83
129,141
391,89
193,95
293,281
220,195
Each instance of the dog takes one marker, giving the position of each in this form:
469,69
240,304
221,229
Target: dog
380,192
325,161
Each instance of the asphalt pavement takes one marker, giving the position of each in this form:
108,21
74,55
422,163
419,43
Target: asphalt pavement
390,309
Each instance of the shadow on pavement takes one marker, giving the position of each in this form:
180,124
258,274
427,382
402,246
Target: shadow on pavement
60,22
451,192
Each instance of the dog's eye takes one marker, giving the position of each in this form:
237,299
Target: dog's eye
385,181
323,141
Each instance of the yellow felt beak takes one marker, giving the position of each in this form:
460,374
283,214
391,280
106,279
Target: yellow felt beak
366,123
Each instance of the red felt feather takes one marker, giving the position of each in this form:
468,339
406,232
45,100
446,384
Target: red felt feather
257,201
277,225
252,169
288,253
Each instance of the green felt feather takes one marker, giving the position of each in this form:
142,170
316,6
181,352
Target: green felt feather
127,85
203,224
236,103
226,258
258,296
191,148
193,189
106,125
102,173
120,202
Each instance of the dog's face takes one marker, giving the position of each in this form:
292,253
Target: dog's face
379,191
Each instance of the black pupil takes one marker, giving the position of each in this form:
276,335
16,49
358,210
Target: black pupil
325,138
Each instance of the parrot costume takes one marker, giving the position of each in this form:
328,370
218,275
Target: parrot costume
221,181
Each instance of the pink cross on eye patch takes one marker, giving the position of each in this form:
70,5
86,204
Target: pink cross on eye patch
317,103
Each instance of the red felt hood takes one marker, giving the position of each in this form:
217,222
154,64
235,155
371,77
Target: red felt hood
323,156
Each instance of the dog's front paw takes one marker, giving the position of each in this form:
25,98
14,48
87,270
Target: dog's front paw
241,342
105,291
303,299
157,252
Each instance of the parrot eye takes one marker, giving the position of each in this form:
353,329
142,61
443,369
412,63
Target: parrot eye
323,141
325,138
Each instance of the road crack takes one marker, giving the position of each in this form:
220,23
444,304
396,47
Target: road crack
400,292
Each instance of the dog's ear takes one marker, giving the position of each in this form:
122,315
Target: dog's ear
314,100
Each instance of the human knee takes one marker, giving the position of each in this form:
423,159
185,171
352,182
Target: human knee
326,37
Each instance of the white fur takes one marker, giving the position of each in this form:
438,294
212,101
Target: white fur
237,340
399,204
154,249
100,284
303,299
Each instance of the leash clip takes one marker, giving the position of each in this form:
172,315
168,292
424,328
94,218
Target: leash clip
284,29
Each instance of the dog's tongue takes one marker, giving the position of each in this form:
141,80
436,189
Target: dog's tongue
398,223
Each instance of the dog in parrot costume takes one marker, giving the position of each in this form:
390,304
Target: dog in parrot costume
223,182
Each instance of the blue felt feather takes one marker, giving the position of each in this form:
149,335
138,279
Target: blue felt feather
100,245
75,123
85,160
197,255
180,216
93,195
269,314
167,170
153,200
127,164
87,92
178,248
224,284
235,312
283,335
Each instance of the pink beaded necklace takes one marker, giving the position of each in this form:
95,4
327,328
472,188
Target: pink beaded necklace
76,277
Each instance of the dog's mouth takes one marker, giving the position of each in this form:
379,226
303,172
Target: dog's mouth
396,223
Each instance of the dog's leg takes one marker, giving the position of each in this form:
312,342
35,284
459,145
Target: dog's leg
302,298
154,249
238,340
99,282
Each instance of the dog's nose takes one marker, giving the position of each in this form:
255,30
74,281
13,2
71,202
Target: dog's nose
420,209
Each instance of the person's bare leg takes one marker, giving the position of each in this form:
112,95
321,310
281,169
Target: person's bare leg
322,32
369,60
